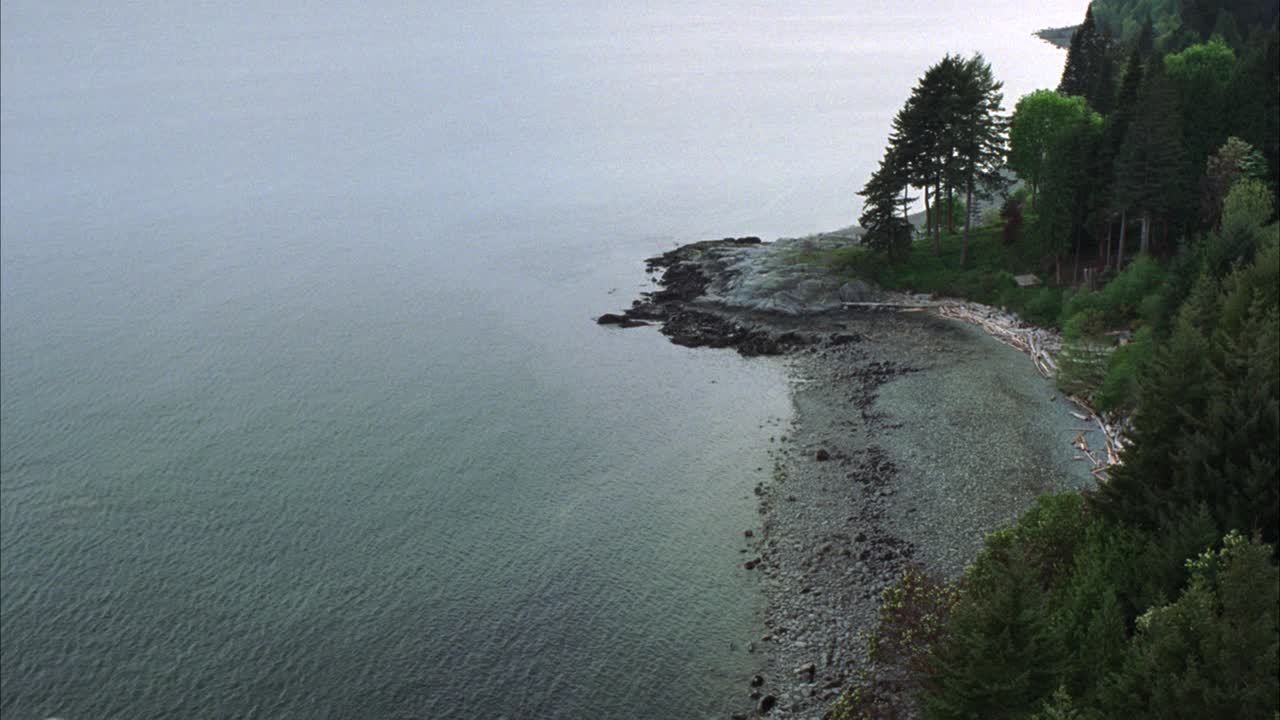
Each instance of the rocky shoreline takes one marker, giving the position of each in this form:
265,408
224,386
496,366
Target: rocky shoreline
877,469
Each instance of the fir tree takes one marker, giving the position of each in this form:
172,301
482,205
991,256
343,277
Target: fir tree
1213,653
1176,386
1078,72
981,138
1149,169
1000,660
1089,70
884,209
1104,167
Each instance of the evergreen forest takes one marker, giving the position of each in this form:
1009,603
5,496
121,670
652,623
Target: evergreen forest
1143,191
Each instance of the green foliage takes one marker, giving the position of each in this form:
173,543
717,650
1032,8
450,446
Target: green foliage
1248,206
1120,302
1088,70
1150,172
1062,707
1201,79
1125,20
948,139
1175,387
1213,652
987,278
1039,124
939,215
1235,160
1209,62
1000,659
1087,607
1090,607
1118,391
1043,306
887,230
914,614
1082,363
1207,428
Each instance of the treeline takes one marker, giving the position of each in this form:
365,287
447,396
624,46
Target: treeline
1153,166
1178,23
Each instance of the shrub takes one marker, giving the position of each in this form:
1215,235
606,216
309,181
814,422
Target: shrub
914,615
1119,389
1044,306
1120,301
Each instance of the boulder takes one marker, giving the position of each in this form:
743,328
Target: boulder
619,320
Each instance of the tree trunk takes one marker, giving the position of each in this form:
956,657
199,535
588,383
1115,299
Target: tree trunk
928,216
937,220
1144,244
1107,262
968,219
950,209
1075,270
1124,224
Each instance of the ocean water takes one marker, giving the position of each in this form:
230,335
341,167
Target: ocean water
302,410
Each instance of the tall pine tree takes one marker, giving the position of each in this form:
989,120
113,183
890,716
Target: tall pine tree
1149,170
981,132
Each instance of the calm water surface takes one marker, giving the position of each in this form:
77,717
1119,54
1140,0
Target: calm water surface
304,414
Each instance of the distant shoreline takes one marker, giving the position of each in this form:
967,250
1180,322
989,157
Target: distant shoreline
1058,37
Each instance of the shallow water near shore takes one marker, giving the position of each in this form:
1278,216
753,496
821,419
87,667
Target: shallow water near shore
304,414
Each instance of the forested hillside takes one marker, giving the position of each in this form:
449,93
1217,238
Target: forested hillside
1146,197
1182,22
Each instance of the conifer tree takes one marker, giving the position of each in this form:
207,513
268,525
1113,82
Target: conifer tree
884,208
1078,72
1089,69
1176,386
1001,660
1149,169
1212,653
981,138
1201,79
1062,222
918,139
1117,125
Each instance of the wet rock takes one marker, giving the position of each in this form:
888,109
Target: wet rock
767,703
619,320
857,291
757,681
822,455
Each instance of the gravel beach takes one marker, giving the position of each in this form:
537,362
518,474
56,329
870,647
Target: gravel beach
911,437
907,446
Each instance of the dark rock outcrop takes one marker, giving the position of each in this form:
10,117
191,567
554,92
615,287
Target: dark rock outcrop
679,306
